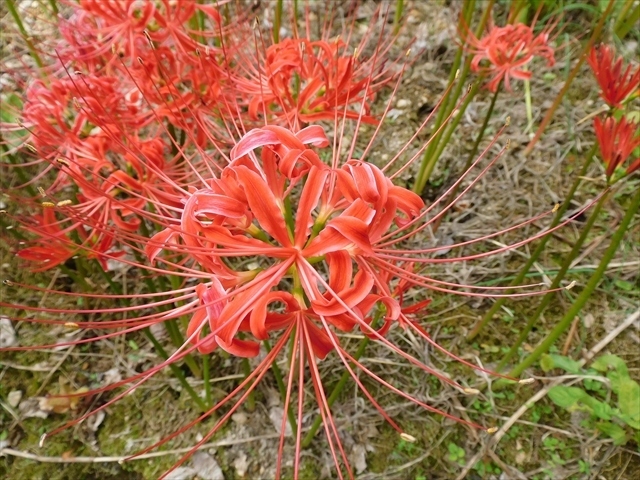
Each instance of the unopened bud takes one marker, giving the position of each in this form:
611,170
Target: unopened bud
526,381
471,391
48,204
492,430
408,438
571,285
64,203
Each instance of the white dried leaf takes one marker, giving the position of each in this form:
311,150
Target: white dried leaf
359,458
589,320
181,473
276,414
8,336
206,467
241,464
240,418
111,376
14,398
96,420
30,408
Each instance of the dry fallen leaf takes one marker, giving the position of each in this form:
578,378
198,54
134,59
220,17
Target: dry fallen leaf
206,467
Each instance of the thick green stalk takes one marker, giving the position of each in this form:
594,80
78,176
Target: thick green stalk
282,388
586,293
54,6
206,359
398,16
576,69
277,21
16,18
426,168
430,158
527,103
540,248
622,17
175,370
251,398
335,393
629,23
473,152
556,281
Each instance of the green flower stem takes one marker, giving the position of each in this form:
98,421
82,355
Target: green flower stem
16,18
76,277
54,7
629,22
430,159
540,248
576,69
426,168
473,152
206,376
586,293
282,388
277,21
171,325
398,16
527,102
251,398
335,393
175,370
19,171
556,281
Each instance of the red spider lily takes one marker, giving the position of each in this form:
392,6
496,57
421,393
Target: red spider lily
350,223
617,139
299,80
99,27
615,84
508,50
327,241
307,81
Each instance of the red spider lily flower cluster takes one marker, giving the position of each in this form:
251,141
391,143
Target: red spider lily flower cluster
167,144
617,135
616,82
504,52
617,139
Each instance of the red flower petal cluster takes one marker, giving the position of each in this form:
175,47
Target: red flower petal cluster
507,50
247,211
616,83
617,139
